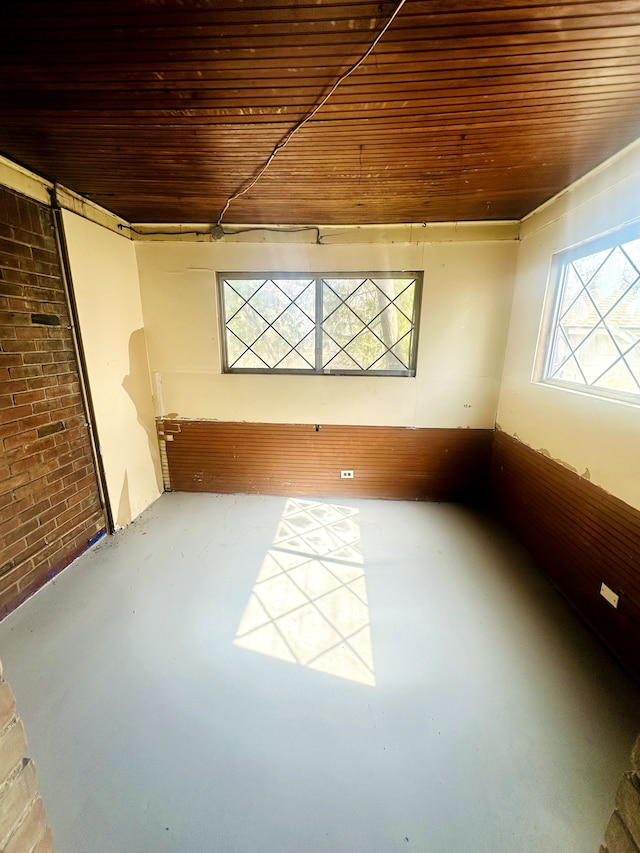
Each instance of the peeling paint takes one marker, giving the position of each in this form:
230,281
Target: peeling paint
587,474
566,465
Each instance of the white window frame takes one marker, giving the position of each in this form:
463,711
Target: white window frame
417,275
551,311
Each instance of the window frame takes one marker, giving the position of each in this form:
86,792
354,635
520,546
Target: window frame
551,313
318,278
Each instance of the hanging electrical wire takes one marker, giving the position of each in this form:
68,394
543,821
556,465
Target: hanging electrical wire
284,142
217,232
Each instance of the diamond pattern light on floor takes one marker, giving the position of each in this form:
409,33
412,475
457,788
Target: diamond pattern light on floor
309,602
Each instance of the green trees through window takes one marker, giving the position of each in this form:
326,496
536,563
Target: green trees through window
321,324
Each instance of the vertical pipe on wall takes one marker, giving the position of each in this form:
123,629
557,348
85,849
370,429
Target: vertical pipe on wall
82,365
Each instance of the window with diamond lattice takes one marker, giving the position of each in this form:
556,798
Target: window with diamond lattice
291,323
593,327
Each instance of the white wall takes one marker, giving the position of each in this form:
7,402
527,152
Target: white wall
598,438
105,280
465,307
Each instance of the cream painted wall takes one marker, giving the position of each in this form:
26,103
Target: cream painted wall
598,438
105,279
465,307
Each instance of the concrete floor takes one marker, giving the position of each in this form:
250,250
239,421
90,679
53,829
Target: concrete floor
246,673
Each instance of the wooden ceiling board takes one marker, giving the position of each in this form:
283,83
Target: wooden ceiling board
161,110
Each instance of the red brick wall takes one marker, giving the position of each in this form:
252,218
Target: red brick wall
622,834
49,500
23,824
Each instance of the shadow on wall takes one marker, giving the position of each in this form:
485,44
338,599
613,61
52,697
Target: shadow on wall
137,384
123,516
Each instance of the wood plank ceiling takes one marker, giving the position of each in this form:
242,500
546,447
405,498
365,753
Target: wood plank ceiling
160,110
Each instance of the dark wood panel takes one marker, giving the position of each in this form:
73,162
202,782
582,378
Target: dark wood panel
580,535
297,459
162,110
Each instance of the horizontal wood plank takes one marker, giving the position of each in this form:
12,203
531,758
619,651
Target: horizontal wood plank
580,535
297,459
161,111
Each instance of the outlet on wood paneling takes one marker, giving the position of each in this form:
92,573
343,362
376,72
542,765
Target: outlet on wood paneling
300,459
580,535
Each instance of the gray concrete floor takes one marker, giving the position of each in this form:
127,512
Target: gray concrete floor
246,674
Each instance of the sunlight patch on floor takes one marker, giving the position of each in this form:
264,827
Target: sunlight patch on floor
309,602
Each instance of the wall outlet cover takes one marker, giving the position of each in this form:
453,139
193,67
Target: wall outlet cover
609,595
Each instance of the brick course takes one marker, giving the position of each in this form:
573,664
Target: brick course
49,498
623,830
23,823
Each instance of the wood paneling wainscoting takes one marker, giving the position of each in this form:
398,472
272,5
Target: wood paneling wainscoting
306,460
580,535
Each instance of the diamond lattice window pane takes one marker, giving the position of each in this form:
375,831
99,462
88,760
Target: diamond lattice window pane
405,299
580,317
573,287
271,347
294,288
561,353
233,302
389,361
369,300
330,301
250,361
307,303
632,250
597,354
598,320
393,329
235,349
330,350
366,349
570,372
270,302
343,325
343,287
367,323
633,360
247,325
588,265
619,378
341,361
626,314
299,359
294,325
245,287
611,281
387,327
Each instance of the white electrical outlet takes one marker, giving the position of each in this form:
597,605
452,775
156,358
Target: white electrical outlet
346,475
609,595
